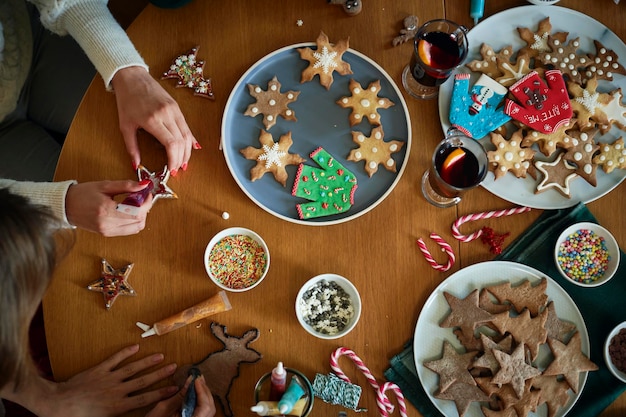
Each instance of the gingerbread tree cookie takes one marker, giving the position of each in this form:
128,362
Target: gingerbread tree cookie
329,188
565,58
612,156
325,60
374,151
604,64
365,103
509,155
537,42
271,103
272,157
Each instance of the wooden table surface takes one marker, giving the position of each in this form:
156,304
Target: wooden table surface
380,256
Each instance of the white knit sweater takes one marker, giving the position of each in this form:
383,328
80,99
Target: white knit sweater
91,24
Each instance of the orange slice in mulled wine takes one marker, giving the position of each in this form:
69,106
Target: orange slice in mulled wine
452,165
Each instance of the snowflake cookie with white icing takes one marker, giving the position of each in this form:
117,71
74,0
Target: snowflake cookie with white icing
271,103
325,60
374,151
272,157
589,104
537,41
365,103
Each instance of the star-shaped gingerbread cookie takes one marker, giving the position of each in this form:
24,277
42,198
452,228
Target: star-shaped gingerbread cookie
112,283
452,366
325,60
612,156
556,175
271,103
514,370
569,361
488,65
565,58
549,142
272,157
189,72
374,150
581,154
160,189
589,104
509,155
604,64
365,103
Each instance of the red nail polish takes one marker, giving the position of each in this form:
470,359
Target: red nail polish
135,166
174,172
184,166
197,145
144,182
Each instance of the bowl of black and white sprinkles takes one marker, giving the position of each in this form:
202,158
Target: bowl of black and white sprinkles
328,306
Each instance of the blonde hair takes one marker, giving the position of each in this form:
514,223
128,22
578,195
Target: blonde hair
28,256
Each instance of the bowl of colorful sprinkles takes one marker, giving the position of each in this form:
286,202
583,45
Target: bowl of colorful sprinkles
328,306
587,254
615,351
237,259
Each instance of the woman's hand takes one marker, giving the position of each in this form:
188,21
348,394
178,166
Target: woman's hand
90,206
143,104
205,406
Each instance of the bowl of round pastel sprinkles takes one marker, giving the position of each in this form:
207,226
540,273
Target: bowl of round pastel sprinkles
328,306
587,254
237,259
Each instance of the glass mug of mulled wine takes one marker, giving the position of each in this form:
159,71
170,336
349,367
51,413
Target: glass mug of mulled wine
439,47
459,163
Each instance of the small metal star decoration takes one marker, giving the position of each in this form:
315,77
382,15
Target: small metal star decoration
190,74
160,188
112,283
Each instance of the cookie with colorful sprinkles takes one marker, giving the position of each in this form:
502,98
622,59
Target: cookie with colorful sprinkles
329,188
325,60
272,157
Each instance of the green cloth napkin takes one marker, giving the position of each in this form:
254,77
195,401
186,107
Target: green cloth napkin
601,308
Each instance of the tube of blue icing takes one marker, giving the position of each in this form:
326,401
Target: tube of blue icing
292,394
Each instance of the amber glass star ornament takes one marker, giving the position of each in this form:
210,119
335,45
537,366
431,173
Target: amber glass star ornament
160,188
190,73
112,283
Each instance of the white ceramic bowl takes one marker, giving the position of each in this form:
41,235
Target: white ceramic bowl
607,358
303,308
252,250
611,247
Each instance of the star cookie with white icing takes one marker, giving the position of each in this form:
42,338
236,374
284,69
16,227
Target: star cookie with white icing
604,64
365,103
615,111
272,157
325,60
549,142
565,58
556,175
488,65
509,155
374,151
271,103
112,283
581,154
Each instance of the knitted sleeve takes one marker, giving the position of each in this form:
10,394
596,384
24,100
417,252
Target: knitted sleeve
91,24
49,194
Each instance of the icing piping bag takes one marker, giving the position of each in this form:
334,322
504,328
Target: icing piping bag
216,304
477,8
189,405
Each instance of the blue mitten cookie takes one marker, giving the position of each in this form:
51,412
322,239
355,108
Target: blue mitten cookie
476,112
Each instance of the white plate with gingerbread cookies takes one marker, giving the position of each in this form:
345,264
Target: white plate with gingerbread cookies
506,47
316,133
491,329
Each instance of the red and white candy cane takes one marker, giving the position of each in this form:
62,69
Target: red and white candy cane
480,216
384,404
444,247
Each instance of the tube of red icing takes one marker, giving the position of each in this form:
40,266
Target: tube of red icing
133,201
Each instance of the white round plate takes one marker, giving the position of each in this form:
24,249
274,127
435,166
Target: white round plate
500,30
429,336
